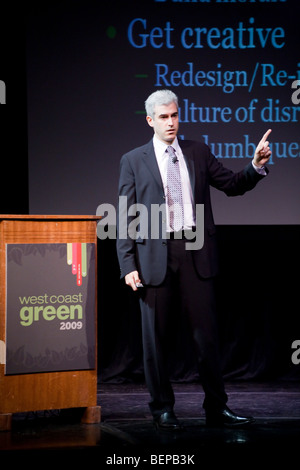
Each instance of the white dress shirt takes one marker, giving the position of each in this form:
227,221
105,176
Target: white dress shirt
187,195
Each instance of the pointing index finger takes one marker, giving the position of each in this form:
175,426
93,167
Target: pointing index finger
266,135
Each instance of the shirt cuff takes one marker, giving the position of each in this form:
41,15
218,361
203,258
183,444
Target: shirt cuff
259,169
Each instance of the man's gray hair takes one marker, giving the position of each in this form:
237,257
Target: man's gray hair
159,98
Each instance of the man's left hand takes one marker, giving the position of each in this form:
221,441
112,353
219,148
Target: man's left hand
262,152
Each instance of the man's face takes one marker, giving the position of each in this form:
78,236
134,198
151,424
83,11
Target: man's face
165,122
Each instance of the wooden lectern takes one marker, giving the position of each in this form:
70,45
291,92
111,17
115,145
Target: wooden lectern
46,390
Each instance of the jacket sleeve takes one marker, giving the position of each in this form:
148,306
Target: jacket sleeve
127,197
232,184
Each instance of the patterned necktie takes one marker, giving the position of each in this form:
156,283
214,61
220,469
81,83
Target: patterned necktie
174,191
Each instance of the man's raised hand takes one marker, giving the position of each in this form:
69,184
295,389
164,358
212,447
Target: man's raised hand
263,152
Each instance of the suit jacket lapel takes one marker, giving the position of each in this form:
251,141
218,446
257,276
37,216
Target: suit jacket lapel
151,162
188,156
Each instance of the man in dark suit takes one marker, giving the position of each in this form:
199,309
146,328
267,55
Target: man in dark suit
161,260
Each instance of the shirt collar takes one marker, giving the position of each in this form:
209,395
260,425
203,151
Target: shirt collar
160,147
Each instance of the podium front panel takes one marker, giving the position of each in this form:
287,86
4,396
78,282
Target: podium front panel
48,312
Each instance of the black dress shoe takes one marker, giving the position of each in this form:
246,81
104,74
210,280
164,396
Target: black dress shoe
168,422
226,418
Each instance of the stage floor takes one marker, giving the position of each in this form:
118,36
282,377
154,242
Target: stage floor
126,435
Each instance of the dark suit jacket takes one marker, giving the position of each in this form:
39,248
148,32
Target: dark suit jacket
141,182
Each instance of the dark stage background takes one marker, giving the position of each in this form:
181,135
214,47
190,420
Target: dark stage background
75,86
258,310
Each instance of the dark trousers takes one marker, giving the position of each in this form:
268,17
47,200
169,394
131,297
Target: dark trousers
198,306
